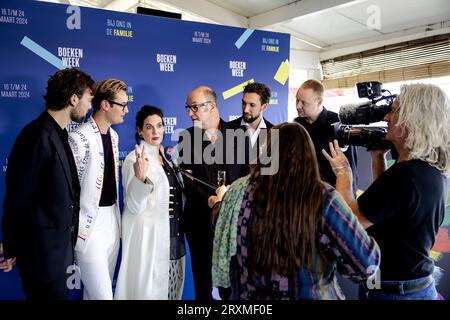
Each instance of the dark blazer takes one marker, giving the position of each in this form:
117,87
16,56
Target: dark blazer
197,194
322,133
196,220
41,204
249,150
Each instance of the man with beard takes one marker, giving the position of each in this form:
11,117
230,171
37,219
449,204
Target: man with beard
95,146
254,101
41,205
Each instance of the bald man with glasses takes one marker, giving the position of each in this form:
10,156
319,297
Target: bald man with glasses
96,152
195,154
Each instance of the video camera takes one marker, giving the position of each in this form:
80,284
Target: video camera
364,113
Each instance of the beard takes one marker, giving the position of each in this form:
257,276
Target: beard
250,119
77,116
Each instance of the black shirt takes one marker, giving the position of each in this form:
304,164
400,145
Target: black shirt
198,155
250,152
407,206
108,197
205,160
321,133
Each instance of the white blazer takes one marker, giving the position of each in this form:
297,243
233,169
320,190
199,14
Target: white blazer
144,271
87,148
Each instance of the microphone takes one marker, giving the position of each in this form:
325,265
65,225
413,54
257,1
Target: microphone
171,155
172,158
354,113
178,171
191,176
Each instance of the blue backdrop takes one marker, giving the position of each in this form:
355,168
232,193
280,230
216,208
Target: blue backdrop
160,59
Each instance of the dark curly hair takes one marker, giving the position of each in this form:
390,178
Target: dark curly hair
142,114
260,89
63,84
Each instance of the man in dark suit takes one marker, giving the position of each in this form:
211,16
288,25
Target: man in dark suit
203,151
317,120
41,205
255,100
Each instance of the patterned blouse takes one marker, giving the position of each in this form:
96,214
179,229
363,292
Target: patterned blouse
343,245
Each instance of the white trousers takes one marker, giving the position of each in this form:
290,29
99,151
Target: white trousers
98,262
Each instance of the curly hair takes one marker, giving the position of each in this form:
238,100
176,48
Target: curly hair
288,205
260,89
424,112
62,85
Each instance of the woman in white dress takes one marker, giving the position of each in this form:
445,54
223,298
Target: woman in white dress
153,246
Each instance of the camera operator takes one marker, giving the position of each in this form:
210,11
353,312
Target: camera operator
318,122
405,205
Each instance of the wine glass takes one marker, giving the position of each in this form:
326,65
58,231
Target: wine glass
221,178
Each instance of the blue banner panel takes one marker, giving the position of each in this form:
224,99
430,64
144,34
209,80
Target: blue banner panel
160,60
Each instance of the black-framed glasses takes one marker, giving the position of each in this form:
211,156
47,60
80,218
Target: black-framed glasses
124,105
195,107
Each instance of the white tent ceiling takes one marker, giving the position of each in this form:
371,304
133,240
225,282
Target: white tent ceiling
329,27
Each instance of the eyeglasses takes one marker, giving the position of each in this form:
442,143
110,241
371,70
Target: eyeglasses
125,105
195,107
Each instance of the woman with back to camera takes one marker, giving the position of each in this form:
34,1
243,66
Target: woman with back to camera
153,247
282,236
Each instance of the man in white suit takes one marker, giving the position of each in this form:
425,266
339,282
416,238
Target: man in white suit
95,148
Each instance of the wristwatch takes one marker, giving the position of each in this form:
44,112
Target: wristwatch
147,181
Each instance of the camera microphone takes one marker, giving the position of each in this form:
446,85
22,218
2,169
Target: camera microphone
350,113
366,112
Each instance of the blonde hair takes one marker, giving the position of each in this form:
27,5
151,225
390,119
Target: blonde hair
425,113
316,86
106,90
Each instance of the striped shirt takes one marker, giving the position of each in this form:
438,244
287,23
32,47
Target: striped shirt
342,244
